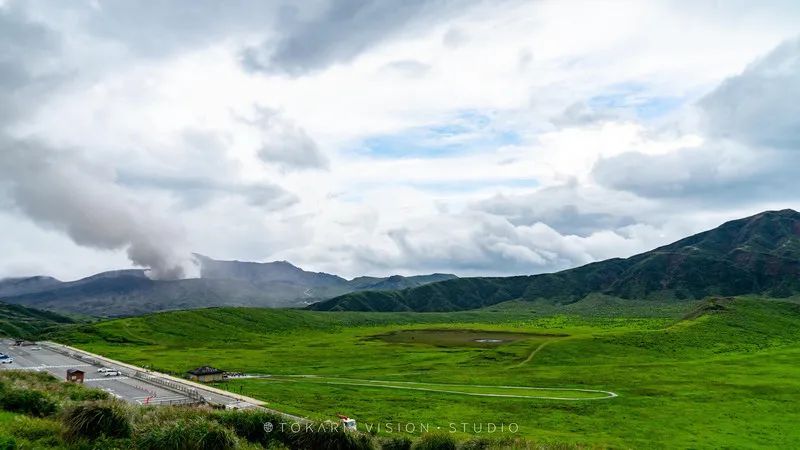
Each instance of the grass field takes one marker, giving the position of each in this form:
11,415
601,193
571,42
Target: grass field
713,374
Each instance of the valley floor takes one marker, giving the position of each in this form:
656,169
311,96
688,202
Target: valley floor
711,374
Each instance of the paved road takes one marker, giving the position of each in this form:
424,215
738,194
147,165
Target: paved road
41,358
161,390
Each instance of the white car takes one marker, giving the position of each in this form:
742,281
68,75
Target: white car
6,360
105,369
112,373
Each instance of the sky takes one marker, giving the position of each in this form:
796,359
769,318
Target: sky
365,137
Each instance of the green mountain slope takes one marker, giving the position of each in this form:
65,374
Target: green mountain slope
754,255
19,321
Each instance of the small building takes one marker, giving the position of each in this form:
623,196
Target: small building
75,375
205,374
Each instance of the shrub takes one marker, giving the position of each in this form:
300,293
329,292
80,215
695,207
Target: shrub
28,401
250,425
95,419
477,444
79,393
396,443
8,443
484,443
193,434
326,436
435,441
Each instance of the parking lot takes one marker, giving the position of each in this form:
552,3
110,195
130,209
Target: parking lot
125,387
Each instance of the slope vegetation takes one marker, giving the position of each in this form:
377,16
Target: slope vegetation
756,255
19,321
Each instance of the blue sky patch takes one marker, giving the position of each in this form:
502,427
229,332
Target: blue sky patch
633,98
468,132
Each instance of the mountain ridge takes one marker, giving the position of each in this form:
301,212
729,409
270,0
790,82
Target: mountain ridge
222,283
759,254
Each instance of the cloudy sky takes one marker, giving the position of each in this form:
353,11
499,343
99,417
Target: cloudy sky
374,137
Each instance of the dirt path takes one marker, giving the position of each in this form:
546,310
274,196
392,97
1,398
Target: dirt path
447,388
533,353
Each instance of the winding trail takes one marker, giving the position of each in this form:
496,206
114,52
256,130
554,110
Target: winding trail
457,389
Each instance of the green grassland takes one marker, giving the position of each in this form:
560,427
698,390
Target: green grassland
717,373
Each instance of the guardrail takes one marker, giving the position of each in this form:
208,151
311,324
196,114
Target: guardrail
102,360
192,393
194,396
174,402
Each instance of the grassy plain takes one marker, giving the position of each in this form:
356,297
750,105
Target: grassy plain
700,375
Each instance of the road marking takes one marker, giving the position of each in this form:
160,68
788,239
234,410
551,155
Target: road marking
68,366
106,379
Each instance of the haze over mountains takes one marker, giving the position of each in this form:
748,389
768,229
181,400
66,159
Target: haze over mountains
755,255
221,283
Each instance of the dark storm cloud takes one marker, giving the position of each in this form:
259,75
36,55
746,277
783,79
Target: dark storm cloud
155,29
761,106
340,30
26,53
752,151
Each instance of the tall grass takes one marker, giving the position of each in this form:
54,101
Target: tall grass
396,443
326,436
27,401
436,441
250,425
92,420
193,434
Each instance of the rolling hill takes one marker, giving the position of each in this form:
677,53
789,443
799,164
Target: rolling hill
21,322
754,255
222,283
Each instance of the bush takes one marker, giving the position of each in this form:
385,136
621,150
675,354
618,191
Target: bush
435,441
8,443
250,426
327,436
477,444
396,443
28,401
95,419
193,434
79,393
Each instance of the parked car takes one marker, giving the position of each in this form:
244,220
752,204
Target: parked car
5,359
112,373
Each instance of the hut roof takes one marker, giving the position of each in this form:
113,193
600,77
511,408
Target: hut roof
205,370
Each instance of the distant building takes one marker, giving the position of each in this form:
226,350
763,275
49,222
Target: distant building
205,374
75,375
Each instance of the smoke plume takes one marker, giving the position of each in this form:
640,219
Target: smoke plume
59,190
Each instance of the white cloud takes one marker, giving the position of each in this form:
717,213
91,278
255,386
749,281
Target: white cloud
582,139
